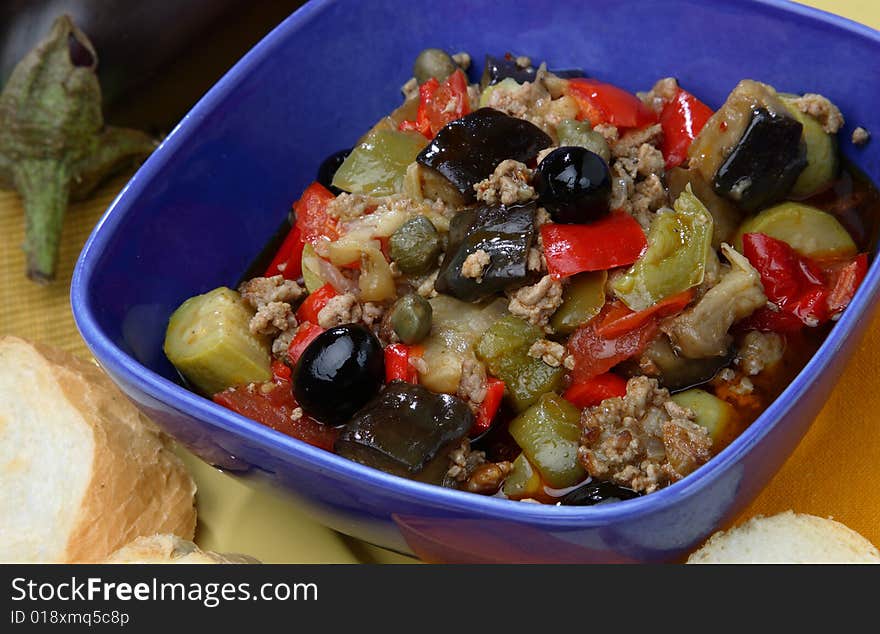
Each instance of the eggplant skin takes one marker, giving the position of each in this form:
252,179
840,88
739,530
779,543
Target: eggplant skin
404,428
506,234
765,163
468,150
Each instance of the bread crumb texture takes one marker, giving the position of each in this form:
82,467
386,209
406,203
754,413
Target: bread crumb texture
788,537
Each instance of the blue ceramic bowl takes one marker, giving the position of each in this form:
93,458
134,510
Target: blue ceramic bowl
209,198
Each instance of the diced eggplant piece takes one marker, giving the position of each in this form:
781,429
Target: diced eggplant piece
505,234
674,372
765,163
498,69
751,149
468,150
404,428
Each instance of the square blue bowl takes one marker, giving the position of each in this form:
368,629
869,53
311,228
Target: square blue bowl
209,198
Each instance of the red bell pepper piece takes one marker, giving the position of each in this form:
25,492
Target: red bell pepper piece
681,120
846,282
288,260
312,224
489,407
312,305
594,391
281,371
792,282
439,104
397,365
617,240
594,354
305,334
621,320
273,404
599,102
810,291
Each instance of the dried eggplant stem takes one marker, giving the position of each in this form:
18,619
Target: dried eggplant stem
53,142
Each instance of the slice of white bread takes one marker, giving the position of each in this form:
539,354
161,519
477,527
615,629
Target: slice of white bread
788,537
170,549
82,471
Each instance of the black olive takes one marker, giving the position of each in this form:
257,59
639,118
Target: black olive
328,169
338,373
574,185
597,493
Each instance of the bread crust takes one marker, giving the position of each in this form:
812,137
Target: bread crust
170,549
138,486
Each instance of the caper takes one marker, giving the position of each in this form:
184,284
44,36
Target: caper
433,62
415,246
411,318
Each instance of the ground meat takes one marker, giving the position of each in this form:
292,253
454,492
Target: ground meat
650,160
372,313
648,196
282,343
821,109
542,217
534,102
260,291
628,145
341,309
537,303
643,440
474,265
759,350
860,136
609,132
622,185
272,318
472,386
508,185
488,477
463,461
549,352
537,263
662,93
350,206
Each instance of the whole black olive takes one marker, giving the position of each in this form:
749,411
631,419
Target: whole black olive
597,493
338,373
328,169
574,185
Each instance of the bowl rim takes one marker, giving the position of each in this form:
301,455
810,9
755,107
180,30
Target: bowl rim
132,372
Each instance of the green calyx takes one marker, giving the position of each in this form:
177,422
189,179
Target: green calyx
53,142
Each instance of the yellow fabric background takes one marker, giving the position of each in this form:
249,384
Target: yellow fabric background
831,473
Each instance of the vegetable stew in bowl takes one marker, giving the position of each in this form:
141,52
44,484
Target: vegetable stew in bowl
541,286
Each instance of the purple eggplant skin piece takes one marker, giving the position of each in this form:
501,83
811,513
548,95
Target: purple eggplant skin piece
468,150
404,429
765,163
506,234
157,58
498,69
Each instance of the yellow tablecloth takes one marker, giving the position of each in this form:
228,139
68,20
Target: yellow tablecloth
832,472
